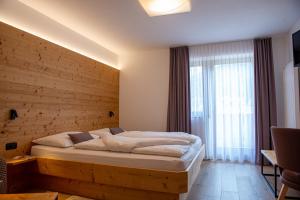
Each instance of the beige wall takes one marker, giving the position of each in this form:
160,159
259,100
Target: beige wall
290,84
286,80
144,80
144,86
280,58
295,28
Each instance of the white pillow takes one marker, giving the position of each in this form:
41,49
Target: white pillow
95,145
94,136
101,132
58,140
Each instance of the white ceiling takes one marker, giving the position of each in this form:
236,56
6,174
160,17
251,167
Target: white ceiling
122,25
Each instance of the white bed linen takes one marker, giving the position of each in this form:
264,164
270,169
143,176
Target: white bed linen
129,144
151,134
163,150
95,145
119,159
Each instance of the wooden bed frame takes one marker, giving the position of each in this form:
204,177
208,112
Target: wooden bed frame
108,182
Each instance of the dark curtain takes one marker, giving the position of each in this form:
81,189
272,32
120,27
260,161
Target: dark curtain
265,98
179,110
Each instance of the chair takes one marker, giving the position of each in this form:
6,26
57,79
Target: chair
286,143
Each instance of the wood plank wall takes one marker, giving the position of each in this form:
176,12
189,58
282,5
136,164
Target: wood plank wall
52,88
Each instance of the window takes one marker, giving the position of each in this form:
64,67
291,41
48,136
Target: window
196,91
222,99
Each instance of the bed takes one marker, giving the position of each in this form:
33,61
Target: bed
114,175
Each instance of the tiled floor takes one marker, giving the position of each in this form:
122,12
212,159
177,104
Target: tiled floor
230,181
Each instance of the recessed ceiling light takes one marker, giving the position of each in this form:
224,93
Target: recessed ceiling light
165,7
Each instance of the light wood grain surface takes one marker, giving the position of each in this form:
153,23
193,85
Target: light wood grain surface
109,182
23,159
227,181
270,156
52,88
101,191
30,196
146,179
230,181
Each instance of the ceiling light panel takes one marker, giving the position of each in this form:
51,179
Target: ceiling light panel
165,7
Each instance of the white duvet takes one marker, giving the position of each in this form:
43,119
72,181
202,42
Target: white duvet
174,144
149,134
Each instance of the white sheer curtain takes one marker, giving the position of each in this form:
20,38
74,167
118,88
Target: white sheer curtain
222,99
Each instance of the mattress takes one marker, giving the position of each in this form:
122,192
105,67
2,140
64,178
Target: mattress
119,159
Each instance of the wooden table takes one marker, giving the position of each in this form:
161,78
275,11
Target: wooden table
19,174
270,156
21,160
30,196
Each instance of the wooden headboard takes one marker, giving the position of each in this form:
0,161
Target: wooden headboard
52,89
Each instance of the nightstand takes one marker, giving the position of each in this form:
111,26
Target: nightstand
19,173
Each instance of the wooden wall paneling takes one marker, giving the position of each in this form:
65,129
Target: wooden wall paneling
54,61
99,191
52,88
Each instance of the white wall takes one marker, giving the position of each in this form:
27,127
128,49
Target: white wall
144,83
295,28
19,15
280,58
290,120
144,86
291,86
